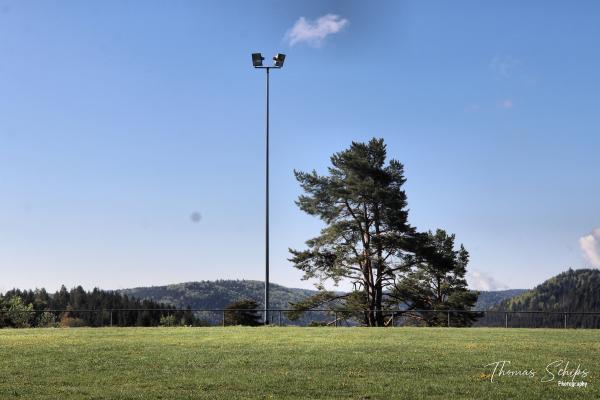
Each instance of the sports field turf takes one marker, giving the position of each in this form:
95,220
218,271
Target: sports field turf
293,363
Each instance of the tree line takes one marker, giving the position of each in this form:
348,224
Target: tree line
37,308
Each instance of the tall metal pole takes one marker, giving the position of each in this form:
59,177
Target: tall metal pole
266,313
257,60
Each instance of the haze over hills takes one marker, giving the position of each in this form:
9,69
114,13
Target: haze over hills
488,299
220,293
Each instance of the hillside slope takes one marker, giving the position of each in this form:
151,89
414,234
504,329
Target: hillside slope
218,294
573,291
563,301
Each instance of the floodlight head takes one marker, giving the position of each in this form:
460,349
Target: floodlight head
279,59
257,59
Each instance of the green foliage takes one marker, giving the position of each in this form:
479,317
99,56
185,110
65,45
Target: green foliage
46,320
436,281
15,313
243,312
321,299
168,320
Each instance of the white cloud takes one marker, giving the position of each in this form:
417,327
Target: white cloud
503,66
314,32
590,246
481,281
507,104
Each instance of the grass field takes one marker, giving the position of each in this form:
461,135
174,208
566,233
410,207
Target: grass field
291,363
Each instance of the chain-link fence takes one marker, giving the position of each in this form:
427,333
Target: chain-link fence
288,317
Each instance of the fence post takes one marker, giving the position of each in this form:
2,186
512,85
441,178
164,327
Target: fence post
393,320
335,321
111,318
565,320
506,320
223,318
279,317
448,319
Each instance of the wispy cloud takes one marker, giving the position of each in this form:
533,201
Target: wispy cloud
315,31
503,66
590,246
481,281
507,104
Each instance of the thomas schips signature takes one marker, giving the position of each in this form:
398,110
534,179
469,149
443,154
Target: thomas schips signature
563,372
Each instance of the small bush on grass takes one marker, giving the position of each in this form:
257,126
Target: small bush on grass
168,320
46,320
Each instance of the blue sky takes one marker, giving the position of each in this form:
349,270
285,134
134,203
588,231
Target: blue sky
120,119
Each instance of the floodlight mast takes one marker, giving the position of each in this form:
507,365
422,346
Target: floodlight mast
257,60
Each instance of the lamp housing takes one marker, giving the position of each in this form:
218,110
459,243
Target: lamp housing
257,59
279,59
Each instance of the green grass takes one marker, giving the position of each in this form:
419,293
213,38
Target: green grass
289,363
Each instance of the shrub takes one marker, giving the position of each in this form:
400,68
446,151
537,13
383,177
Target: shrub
46,320
168,320
242,313
16,313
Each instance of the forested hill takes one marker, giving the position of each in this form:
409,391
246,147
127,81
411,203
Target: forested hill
488,299
573,290
218,294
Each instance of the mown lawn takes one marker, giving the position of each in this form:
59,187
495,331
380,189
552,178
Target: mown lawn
291,363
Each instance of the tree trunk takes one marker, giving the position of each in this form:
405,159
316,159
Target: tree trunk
379,319
378,314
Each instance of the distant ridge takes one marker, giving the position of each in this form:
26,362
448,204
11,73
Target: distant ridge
488,299
218,294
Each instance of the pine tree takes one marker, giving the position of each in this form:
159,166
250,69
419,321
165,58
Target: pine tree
436,281
368,241
367,235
